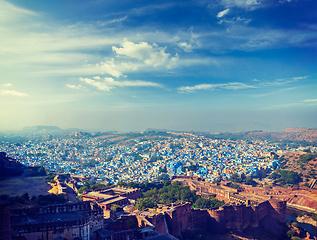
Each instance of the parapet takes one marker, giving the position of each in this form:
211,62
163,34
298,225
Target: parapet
57,208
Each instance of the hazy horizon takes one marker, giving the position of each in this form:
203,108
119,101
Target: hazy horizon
219,66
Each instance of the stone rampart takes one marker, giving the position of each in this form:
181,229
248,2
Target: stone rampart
57,208
242,216
178,218
89,220
175,218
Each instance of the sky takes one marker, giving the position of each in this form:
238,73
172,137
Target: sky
202,65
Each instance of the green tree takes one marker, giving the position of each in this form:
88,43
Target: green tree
83,189
41,171
296,238
250,181
143,203
114,207
235,178
163,177
163,170
290,233
202,203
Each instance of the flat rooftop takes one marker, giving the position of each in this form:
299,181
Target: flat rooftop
112,200
99,195
118,189
224,188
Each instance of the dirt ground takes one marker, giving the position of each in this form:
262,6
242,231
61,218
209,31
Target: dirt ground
17,186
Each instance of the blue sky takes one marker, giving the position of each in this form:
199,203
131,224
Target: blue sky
227,65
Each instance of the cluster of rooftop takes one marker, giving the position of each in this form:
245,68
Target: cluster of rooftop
145,160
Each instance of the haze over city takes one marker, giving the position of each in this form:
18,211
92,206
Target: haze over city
227,65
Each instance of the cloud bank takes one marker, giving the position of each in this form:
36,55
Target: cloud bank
109,83
13,93
229,86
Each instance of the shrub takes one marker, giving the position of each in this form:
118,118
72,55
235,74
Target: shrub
295,224
290,233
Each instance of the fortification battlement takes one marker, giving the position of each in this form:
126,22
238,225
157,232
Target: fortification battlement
274,208
172,205
59,208
188,177
63,217
49,226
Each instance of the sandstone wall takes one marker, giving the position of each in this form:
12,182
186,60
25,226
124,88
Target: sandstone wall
179,219
58,208
217,220
84,227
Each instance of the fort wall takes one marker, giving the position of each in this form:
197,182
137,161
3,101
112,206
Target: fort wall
240,214
179,218
84,227
175,218
57,208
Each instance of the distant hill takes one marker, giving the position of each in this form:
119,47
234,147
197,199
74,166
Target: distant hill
298,135
294,134
300,162
41,129
291,134
48,130
40,133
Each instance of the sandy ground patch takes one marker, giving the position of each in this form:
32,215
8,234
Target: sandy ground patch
17,186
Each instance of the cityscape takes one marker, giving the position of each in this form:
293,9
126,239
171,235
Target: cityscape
144,161
157,184
158,120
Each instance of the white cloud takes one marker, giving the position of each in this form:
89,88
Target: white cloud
245,38
109,83
10,13
230,86
185,46
244,20
274,92
136,56
100,85
7,85
191,41
281,81
304,103
139,83
282,1
150,54
105,23
75,86
222,13
246,4
13,93
116,68
299,78
62,49
310,100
